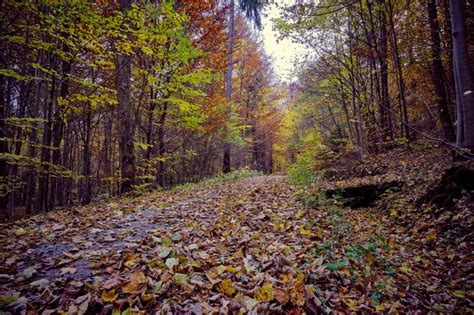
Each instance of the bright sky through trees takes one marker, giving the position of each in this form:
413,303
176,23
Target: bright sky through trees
283,52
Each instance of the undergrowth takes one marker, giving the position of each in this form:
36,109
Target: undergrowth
220,178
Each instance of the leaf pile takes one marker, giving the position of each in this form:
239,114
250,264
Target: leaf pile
248,245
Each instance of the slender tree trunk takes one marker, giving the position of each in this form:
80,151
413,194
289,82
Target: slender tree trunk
3,141
463,77
405,131
31,174
86,188
161,145
44,183
149,131
448,65
355,108
58,128
228,86
385,107
107,169
125,114
438,73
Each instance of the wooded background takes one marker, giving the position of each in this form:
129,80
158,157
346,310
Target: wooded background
102,98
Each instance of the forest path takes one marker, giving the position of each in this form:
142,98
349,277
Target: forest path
248,244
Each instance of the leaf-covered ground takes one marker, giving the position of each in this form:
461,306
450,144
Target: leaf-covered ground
249,245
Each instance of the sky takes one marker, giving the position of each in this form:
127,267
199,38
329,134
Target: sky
282,53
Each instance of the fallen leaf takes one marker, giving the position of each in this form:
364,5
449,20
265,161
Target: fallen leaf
264,293
227,287
109,296
431,235
110,283
20,232
137,278
281,296
165,252
297,295
68,270
39,283
29,272
171,263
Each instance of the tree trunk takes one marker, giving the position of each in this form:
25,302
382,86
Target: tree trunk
44,182
463,77
385,107
107,169
125,114
228,85
161,145
31,174
437,75
58,128
405,130
3,141
86,188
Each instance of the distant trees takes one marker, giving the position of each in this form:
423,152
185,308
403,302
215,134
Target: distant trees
252,9
102,98
366,79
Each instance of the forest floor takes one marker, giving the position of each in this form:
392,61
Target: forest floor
256,244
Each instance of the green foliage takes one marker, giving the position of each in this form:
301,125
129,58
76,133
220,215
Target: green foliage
302,172
338,265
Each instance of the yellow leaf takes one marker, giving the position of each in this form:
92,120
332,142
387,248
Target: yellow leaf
137,278
265,293
130,260
227,287
212,276
405,268
238,254
306,232
300,214
232,269
221,269
351,303
146,297
109,296
431,235
297,295
370,258
287,277
20,232
380,307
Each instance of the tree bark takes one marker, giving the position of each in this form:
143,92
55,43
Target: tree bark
228,85
161,145
58,128
3,141
464,82
404,129
385,107
125,114
438,74
86,188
